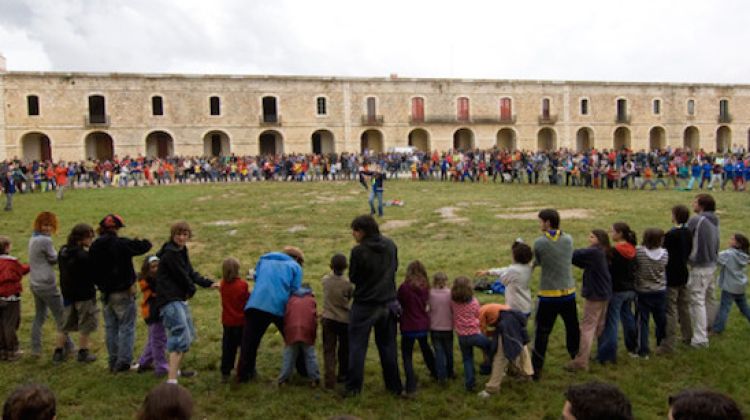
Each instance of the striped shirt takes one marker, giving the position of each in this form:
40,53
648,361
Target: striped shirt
650,276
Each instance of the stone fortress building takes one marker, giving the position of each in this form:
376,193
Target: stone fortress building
73,116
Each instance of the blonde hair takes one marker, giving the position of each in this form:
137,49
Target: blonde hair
230,269
45,218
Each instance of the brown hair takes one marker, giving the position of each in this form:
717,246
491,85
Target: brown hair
602,238
416,275
703,404
742,243
522,253
624,229
230,269
80,232
179,227
146,266
4,244
462,290
653,238
167,401
439,280
706,202
338,264
680,213
45,218
30,402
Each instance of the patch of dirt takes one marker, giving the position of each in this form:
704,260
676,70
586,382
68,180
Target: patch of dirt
204,198
296,228
396,224
532,215
323,199
232,232
222,223
449,215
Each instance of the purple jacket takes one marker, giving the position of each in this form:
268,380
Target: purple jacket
413,302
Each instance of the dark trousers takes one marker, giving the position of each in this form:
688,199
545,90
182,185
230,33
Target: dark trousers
407,350
651,304
363,319
256,324
335,337
230,343
546,315
10,318
442,342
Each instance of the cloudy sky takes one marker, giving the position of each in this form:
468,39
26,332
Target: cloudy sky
635,40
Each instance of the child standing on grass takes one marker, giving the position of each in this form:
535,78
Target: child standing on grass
11,273
300,328
337,295
596,291
441,326
733,279
234,294
651,288
516,278
80,312
154,354
465,309
413,295
42,258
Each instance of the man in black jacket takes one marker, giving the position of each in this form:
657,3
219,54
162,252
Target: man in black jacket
372,269
112,257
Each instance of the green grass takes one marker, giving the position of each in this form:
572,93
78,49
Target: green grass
256,218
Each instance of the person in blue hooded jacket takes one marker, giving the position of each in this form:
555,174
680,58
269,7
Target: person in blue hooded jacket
277,276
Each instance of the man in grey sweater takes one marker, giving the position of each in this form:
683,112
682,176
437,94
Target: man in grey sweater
553,252
701,284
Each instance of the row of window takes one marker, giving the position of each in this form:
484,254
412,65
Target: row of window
97,108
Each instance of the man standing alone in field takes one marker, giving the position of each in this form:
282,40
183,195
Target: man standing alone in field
553,251
705,229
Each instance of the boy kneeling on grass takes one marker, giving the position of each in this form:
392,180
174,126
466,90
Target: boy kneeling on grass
300,328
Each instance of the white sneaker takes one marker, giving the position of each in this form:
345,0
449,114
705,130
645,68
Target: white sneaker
484,394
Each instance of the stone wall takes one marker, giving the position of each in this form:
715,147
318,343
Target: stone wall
63,100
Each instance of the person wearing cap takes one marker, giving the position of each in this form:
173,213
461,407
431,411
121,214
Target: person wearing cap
175,284
277,276
112,258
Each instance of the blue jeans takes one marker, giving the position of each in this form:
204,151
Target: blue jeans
379,195
177,320
364,318
726,304
651,304
291,353
442,343
467,344
407,349
119,320
620,309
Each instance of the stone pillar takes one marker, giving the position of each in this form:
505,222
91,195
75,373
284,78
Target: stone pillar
346,97
3,134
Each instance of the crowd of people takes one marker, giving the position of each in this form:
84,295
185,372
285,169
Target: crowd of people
669,277
628,169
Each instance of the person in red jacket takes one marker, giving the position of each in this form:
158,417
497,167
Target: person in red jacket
61,179
300,327
11,272
234,294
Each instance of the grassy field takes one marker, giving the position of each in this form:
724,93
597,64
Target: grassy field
453,228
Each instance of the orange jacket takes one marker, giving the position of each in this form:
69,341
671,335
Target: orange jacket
488,315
